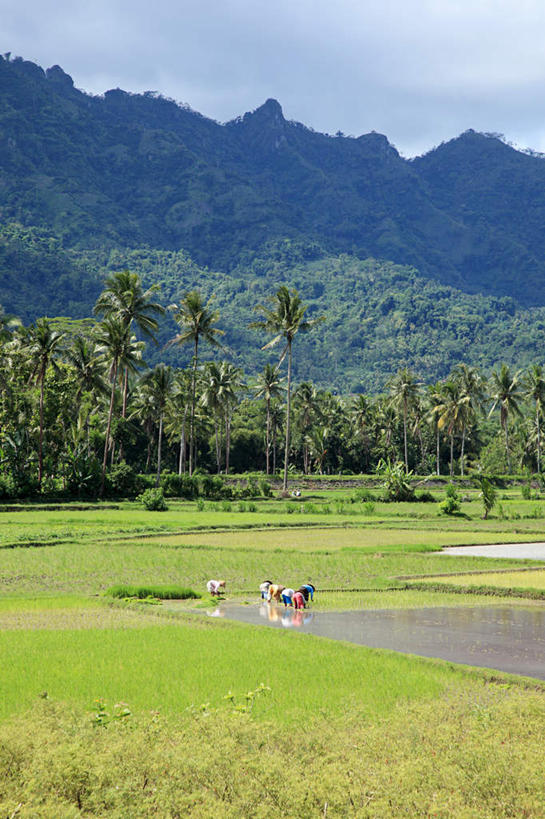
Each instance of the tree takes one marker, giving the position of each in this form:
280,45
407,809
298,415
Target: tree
43,344
472,390
268,386
120,349
197,321
505,393
158,385
123,298
451,411
534,387
283,318
404,390
305,403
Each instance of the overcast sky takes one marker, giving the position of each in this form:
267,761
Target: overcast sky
419,71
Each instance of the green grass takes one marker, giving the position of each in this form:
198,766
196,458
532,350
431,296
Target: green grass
171,667
344,730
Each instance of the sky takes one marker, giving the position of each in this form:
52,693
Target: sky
418,71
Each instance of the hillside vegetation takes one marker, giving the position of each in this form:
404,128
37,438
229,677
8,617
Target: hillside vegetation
415,263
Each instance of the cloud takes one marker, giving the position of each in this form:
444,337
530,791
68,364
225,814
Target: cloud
420,71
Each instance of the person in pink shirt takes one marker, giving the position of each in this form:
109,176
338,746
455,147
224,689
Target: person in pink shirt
298,600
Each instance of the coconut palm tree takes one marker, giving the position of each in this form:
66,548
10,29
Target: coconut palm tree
212,400
42,347
305,401
119,349
283,318
176,415
197,322
505,391
452,413
124,298
268,386
434,397
472,387
404,390
534,389
360,415
158,385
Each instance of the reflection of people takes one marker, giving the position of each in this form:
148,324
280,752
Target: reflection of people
274,614
216,613
297,619
287,618
287,595
308,618
298,600
264,589
215,587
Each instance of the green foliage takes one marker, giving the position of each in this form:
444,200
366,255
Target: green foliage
160,592
122,481
153,500
179,486
487,493
395,481
451,504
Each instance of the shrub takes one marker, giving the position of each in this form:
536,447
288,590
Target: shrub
451,504
265,488
179,486
526,491
7,487
425,497
225,506
395,481
200,505
212,487
368,508
122,481
153,500
252,507
362,495
160,592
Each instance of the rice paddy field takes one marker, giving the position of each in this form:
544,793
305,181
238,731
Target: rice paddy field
137,709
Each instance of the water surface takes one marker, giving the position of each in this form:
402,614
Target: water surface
522,551
498,637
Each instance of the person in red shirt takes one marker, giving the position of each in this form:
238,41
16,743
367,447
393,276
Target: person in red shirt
298,600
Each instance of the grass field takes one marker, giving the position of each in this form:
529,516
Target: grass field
234,720
532,579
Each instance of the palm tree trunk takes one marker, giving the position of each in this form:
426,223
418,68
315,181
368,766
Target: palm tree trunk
181,466
507,445
124,407
538,431
288,412
405,437
268,435
437,452
159,440
41,438
462,450
192,420
218,454
109,426
227,441
451,454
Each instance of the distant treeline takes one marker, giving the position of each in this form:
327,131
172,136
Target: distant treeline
82,414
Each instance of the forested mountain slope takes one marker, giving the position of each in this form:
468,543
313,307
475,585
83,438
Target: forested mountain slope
420,263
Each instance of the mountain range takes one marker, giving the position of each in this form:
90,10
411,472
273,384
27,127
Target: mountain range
86,181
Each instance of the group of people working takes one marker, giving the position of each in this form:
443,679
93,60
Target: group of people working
289,597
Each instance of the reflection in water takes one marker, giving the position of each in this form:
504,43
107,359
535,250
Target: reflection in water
218,612
510,639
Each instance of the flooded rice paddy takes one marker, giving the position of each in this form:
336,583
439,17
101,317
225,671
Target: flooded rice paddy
497,637
522,551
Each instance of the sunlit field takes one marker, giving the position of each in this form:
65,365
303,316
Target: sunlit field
219,705
532,579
